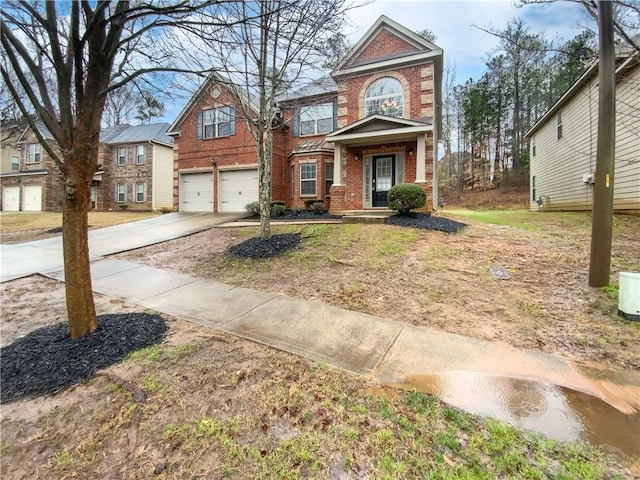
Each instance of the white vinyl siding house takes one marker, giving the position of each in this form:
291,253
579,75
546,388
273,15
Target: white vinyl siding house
563,166
162,178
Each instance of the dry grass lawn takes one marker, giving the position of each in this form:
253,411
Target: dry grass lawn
26,226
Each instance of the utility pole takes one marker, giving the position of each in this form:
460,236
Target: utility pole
602,219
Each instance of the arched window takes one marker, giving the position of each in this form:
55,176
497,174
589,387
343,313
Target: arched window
384,96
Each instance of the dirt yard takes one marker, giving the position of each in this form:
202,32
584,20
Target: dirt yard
443,280
208,405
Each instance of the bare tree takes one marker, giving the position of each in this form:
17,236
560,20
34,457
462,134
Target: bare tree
266,56
62,66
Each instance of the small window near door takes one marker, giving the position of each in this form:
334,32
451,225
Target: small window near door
308,179
293,181
328,178
140,192
140,154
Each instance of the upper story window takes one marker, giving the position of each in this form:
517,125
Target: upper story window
559,124
15,163
34,153
216,122
140,154
533,146
385,96
316,119
121,155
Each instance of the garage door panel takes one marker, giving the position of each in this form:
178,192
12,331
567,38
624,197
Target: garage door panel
196,192
32,198
11,199
237,189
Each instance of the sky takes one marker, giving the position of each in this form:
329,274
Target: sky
452,23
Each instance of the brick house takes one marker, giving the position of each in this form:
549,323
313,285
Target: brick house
346,138
135,168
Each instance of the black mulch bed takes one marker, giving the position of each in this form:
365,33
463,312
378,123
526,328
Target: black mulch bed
296,215
257,248
420,220
47,360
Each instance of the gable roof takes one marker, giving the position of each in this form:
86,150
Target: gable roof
318,87
155,132
418,50
379,125
213,78
623,62
44,131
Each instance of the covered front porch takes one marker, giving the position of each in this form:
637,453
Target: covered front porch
376,153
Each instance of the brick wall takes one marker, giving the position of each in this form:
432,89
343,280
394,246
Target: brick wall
192,154
130,174
383,45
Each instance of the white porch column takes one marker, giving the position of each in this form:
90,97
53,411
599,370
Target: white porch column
337,164
421,157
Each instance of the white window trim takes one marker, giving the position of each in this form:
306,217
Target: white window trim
124,193
13,163
371,99
309,180
315,109
559,132
118,156
143,154
144,192
34,150
216,122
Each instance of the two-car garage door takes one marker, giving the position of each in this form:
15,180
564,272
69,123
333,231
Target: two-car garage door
31,198
237,188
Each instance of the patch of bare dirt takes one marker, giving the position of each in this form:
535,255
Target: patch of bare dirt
443,281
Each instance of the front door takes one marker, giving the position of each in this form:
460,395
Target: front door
383,178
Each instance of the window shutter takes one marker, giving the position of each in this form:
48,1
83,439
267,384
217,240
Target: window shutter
335,115
199,126
115,193
295,128
232,120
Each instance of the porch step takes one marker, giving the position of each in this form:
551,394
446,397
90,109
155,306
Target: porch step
378,212
365,218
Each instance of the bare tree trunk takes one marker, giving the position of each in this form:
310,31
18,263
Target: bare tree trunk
264,162
80,305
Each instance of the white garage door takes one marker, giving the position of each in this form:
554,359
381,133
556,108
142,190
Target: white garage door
237,189
196,192
11,199
32,198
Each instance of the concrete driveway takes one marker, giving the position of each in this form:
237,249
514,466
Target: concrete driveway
42,256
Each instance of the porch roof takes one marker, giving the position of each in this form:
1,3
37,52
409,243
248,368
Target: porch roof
380,129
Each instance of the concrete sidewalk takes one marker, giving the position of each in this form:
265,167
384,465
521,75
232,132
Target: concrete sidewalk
391,351
41,256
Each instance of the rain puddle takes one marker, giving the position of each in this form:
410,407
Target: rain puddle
557,412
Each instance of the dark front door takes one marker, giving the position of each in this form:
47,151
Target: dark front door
383,178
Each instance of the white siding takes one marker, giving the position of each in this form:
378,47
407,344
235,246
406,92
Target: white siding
559,165
162,191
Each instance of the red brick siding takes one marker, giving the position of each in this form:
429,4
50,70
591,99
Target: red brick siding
384,44
192,154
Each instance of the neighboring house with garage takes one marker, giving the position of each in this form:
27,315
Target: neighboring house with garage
135,168
345,139
563,144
